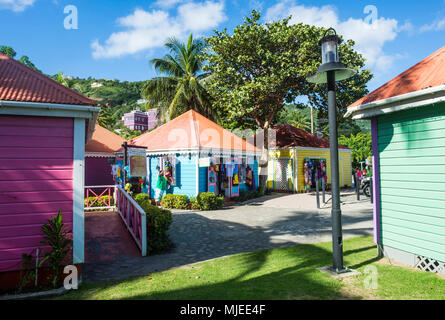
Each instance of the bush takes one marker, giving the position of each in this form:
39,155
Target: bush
102,202
175,201
209,201
142,197
158,222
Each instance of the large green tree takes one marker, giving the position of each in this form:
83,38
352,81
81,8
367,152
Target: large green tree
181,87
262,66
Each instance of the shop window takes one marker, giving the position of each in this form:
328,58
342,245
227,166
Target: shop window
167,164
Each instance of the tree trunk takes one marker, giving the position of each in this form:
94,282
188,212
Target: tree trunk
263,162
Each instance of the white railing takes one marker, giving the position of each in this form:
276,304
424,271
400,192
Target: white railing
134,218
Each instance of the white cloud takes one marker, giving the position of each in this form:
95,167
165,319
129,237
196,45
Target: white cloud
369,36
201,16
437,25
149,29
16,5
167,3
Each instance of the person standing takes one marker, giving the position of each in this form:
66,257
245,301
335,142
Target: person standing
161,187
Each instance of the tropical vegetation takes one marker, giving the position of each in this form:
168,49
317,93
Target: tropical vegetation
182,86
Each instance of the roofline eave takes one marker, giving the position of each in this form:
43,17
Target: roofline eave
398,103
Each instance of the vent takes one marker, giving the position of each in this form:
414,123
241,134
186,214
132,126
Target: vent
430,265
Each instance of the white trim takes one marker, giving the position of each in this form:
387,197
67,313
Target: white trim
397,103
39,109
309,148
78,190
99,154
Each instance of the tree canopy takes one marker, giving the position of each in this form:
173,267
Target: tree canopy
262,66
361,144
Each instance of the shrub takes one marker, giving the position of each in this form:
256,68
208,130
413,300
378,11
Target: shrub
247,195
141,197
209,201
102,202
177,201
158,222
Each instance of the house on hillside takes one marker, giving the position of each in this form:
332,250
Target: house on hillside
408,143
99,156
295,156
199,156
43,130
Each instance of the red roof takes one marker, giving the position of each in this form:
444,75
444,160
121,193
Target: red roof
104,140
429,72
20,83
191,130
288,136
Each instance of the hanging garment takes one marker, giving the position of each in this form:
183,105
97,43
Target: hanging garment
229,169
306,173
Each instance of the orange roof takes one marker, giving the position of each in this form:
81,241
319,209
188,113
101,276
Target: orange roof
429,72
20,83
191,130
104,141
288,136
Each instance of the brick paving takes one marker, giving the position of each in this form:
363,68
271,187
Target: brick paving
272,221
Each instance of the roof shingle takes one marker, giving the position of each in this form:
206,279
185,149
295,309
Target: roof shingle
20,83
430,72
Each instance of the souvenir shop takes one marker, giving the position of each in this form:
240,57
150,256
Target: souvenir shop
314,168
228,176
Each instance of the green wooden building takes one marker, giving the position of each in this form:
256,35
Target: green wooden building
408,135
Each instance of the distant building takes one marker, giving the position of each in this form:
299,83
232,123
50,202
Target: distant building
142,121
152,118
141,101
96,84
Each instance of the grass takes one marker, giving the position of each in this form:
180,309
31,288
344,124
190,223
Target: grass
283,273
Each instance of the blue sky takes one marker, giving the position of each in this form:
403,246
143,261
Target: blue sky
116,39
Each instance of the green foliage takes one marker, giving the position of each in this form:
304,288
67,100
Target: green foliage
101,202
10,52
259,68
182,87
175,201
209,201
299,118
158,222
55,235
25,60
27,274
361,144
141,197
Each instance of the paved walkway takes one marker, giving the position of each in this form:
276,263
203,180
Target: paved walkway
268,222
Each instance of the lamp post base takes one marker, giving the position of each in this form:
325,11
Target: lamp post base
345,272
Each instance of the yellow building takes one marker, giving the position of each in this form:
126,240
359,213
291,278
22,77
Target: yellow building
291,148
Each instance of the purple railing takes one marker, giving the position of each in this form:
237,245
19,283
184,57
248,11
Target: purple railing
134,218
104,197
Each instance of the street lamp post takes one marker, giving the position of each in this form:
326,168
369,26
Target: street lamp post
329,72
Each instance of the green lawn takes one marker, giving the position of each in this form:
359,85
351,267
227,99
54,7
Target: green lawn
284,273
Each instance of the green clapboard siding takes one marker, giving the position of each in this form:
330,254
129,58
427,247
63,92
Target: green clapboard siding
412,180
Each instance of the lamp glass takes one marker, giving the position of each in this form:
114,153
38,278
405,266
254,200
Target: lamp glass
329,51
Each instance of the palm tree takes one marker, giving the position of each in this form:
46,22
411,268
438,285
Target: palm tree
182,87
300,121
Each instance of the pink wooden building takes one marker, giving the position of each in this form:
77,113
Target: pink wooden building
98,151
43,130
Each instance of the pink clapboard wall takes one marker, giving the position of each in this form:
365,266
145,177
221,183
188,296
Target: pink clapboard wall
36,181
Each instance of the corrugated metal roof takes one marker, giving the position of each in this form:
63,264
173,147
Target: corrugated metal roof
103,140
191,130
20,83
429,72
